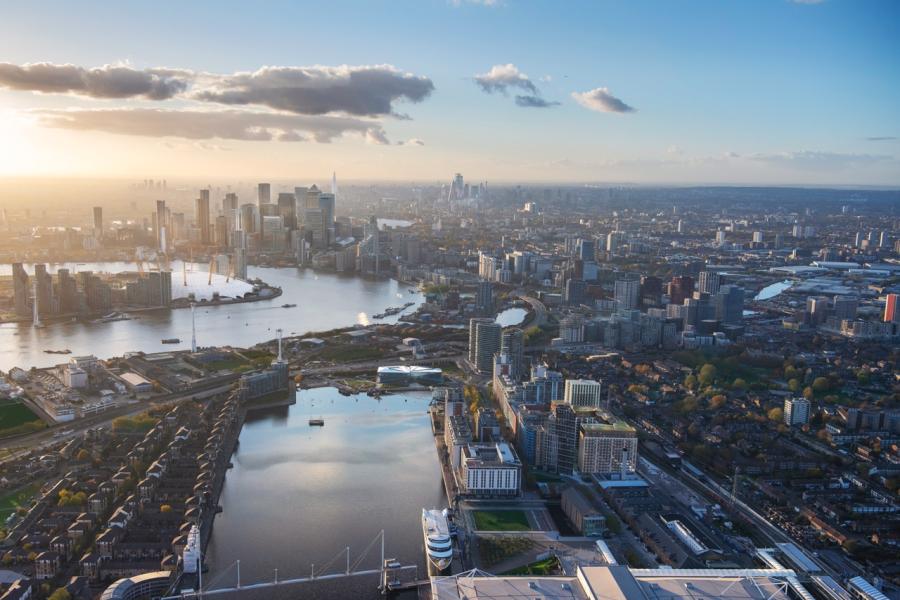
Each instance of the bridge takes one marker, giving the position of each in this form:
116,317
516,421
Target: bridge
394,577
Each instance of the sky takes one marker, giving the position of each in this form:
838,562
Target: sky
645,91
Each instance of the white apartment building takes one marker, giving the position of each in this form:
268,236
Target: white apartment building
583,392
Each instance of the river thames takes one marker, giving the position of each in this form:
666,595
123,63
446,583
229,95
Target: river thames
324,301
299,494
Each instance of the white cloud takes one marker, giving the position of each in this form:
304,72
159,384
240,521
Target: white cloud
601,100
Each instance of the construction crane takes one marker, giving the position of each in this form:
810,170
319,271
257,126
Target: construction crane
184,272
230,273
212,264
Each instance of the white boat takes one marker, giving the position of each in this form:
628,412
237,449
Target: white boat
438,545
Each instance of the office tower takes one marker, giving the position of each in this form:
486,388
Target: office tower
680,288
563,427
651,290
512,344
730,305
326,204
583,392
891,308
311,199
709,282
20,290
627,293
575,292
817,309
484,342
161,224
313,225
680,227
263,194
98,222
201,216
67,292
247,221
614,240
230,202
44,287
796,411
757,237
884,239
779,241
287,210
484,298
606,448
720,237
571,329
273,233
240,262
221,231
584,249
844,307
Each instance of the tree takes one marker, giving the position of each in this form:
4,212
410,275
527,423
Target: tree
60,594
690,382
739,384
165,508
820,384
776,414
717,401
82,455
794,385
707,374
808,393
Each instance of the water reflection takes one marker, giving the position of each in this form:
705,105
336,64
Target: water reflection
298,494
511,317
324,301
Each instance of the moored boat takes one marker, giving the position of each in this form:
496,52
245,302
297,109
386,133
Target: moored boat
438,544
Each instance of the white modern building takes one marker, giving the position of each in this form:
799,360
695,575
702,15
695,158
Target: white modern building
606,448
583,392
489,471
796,411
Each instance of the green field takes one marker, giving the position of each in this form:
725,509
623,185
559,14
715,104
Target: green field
16,418
20,497
501,520
349,353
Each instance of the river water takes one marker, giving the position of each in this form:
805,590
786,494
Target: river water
324,301
774,289
299,495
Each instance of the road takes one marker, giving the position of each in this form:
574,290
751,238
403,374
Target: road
540,311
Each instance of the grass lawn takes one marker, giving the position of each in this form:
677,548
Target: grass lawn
16,498
501,520
16,418
349,353
227,364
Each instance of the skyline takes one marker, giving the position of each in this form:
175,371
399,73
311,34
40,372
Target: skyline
774,93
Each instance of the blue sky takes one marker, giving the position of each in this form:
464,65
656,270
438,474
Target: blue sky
724,91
